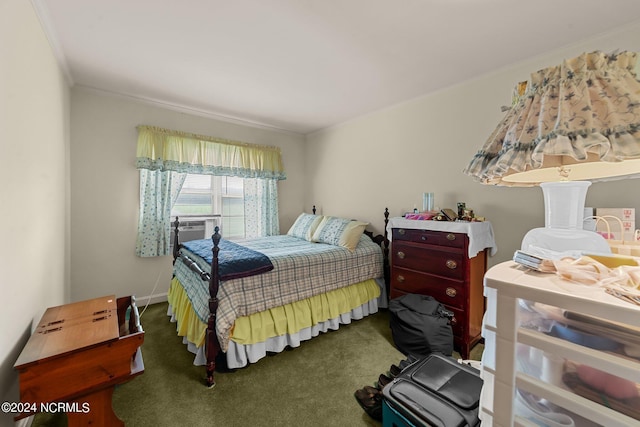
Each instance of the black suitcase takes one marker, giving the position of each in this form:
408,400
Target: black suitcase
434,391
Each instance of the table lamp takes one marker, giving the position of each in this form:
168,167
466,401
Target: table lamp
575,123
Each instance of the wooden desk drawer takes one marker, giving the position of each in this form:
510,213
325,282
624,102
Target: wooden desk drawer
412,256
448,292
439,238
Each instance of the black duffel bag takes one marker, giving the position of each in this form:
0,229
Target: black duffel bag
420,325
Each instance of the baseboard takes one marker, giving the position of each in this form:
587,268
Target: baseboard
141,302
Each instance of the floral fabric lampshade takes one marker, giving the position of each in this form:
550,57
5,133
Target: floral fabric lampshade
579,120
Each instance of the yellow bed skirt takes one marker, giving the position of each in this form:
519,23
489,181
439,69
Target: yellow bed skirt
287,319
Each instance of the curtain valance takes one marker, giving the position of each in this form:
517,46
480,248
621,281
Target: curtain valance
169,150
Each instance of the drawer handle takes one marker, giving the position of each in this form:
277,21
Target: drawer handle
451,264
451,292
401,231
400,278
451,236
400,254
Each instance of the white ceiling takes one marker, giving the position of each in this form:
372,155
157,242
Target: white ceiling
304,65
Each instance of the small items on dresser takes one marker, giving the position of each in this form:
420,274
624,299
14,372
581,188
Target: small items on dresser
435,214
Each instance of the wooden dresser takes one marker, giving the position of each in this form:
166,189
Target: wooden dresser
77,355
433,258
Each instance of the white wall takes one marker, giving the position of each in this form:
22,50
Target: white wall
34,144
390,157
105,189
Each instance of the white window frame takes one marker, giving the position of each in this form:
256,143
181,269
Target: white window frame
218,198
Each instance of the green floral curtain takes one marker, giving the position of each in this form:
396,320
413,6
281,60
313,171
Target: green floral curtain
164,157
261,207
158,192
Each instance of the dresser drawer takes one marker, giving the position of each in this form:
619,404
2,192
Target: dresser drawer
447,292
413,256
439,238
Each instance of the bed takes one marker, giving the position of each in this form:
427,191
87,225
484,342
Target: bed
236,302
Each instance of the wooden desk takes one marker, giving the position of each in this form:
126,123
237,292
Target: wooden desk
77,355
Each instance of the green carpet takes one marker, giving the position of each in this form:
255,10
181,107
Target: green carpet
311,385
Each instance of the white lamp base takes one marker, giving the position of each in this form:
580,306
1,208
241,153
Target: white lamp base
564,213
564,240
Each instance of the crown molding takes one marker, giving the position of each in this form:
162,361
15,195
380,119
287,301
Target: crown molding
188,110
40,8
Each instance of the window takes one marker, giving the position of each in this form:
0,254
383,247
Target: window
203,195
160,157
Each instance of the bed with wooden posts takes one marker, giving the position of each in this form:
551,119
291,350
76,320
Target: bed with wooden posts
236,302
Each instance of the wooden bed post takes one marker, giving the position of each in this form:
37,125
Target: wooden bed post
212,346
385,251
176,248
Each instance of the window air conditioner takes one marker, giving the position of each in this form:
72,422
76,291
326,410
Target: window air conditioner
194,229
188,230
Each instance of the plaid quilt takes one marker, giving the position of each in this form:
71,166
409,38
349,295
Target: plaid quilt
301,270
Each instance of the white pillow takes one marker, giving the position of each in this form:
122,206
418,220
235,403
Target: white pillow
304,226
339,232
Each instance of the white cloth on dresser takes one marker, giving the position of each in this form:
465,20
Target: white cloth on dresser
480,233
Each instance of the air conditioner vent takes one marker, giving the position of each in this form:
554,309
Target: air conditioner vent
194,229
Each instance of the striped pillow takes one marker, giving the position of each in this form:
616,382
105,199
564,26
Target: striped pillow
339,232
304,226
